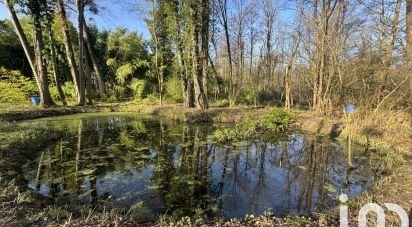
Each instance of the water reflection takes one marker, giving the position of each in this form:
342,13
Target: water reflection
154,166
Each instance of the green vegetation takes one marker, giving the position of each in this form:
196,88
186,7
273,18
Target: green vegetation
274,121
208,61
15,87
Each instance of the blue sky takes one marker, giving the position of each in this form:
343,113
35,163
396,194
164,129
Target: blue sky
113,14
130,14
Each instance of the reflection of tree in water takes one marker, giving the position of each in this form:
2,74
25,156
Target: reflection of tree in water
90,149
184,187
189,175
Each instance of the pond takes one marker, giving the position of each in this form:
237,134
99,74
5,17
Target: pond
154,166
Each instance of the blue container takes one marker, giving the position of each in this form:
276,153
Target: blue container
350,108
35,100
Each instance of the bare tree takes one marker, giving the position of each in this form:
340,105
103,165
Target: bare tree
222,6
269,16
288,70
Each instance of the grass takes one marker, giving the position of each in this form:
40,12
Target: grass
386,131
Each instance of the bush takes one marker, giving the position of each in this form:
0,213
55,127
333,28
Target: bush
12,94
224,135
139,88
247,96
275,121
69,91
221,102
174,90
14,87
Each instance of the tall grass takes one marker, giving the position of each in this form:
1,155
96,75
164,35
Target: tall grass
383,130
386,133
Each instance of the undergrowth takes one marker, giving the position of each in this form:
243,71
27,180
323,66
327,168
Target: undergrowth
386,133
274,121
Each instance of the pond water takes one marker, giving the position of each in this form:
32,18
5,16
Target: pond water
154,166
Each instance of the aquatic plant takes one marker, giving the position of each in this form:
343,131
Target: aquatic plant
224,135
275,121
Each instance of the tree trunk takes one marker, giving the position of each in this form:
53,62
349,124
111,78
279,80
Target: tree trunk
183,71
200,99
205,47
22,37
80,20
68,46
88,78
39,72
389,49
288,92
409,43
96,67
43,83
54,66
224,22
288,101
269,14
186,85
187,100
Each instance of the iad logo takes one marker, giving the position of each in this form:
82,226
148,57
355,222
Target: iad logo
371,207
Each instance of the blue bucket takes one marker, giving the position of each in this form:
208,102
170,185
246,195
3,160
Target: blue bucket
350,108
35,100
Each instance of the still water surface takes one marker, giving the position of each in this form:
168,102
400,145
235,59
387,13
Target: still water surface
154,166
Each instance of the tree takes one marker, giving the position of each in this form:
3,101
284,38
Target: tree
223,10
69,49
95,63
409,43
288,70
93,8
80,21
127,60
326,25
55,63
269,17
36,60
388,44
196,21
177,32
22,37
205,50
159,42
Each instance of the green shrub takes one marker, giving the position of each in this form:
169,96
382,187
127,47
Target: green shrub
12,94
247,127
275,121
221,102
69,91
139,88
224,135
174,90
54,93
14,87
247,96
